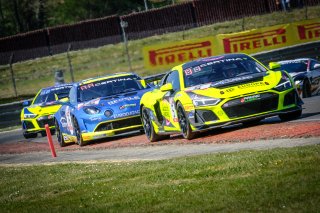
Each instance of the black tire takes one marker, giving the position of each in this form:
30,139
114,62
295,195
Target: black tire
148,126
184,123
59,135
291,115
306,89
80,141
43,134
52,131
29,135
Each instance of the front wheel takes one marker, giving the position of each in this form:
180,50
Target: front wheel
80,141
184,123
291,115
306,89
59,135
148,126
29,135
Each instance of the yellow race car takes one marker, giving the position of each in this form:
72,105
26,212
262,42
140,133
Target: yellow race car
42,109
215,92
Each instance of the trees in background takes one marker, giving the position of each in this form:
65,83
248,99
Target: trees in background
18,16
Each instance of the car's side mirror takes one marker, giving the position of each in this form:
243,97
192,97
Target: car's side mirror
63,101
26,103
316,66
274,66
166,87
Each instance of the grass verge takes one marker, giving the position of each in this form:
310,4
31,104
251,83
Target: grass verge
279,180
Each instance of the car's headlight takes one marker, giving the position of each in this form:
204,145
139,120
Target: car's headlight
29,115
199,100
91,110
284,84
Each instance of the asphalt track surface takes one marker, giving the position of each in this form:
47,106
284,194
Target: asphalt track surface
270,133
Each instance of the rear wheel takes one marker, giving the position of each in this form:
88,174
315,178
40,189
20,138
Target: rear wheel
148,126
291,115
80,141
306,89
184,123
59,135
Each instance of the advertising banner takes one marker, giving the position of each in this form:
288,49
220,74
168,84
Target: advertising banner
257,40
306,31
168,55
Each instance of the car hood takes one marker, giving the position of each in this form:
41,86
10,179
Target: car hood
121,105
241,86
38,109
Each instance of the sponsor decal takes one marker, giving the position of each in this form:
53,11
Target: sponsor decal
127,106
252,41
89,103
253,84
309,31
125,114
99,83
69,121
115,101
229,90
250,98
176,53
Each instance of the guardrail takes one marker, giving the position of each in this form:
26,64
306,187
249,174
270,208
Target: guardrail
10,113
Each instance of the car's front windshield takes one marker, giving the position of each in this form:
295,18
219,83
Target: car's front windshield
51,95
208,71
294,66
108,87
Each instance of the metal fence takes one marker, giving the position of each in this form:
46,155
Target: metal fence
107,30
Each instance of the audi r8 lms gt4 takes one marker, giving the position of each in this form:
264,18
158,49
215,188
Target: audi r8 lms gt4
101,107
42,109
215,92
305,73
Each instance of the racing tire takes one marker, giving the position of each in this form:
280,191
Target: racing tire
29,135
306,89
59,135
184,123
148,126
43,134
291,115
80,141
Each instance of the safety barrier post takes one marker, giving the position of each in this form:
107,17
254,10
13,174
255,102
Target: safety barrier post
53,151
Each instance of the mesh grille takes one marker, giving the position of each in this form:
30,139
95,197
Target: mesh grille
290,98
43,122
250,105
207,115
119,124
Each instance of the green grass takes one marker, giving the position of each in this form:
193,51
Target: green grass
279,180
35,74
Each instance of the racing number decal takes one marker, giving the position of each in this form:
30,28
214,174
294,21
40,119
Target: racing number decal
173,110
69,120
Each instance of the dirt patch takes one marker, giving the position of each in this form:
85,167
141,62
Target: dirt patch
232,134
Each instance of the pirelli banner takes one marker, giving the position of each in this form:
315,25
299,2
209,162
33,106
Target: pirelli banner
165,56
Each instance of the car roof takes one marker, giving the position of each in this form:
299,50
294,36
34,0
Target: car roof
57,86
213,58
120,74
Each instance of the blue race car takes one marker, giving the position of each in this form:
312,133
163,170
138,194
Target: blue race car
101,107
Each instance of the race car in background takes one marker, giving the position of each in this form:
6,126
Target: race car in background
215,92
42,109
305,73
101,107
